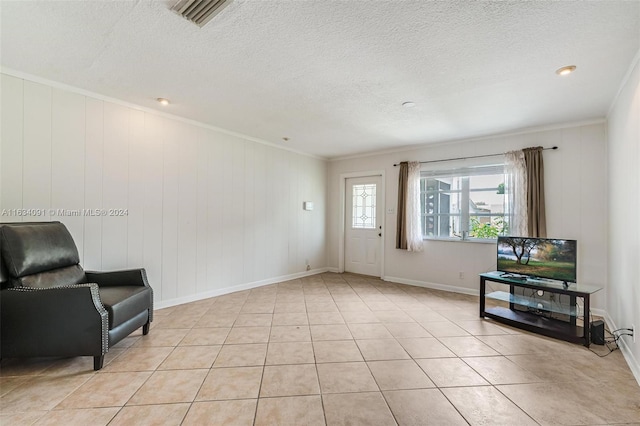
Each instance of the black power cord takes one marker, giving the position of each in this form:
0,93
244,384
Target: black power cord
623,329
611,341
609,348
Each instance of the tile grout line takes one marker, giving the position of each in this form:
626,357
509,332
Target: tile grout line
393,415
264,363
324,413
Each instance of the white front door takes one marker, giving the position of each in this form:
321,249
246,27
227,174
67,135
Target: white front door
363,225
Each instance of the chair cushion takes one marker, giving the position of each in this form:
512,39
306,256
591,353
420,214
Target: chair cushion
31,248
55,278
124,302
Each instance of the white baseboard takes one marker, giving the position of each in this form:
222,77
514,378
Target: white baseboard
599,312
632,362
335,270
233,289
435,286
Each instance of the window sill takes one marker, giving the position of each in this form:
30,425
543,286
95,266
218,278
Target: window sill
460,240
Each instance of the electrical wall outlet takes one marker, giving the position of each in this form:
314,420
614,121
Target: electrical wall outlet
461,275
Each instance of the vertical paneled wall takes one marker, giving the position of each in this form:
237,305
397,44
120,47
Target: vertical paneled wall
201,210
623,304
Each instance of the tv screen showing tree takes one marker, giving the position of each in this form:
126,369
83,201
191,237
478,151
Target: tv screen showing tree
538,257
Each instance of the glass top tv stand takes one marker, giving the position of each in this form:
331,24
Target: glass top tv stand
521,303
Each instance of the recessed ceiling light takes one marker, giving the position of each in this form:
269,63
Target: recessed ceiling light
408,104
566,70
163,101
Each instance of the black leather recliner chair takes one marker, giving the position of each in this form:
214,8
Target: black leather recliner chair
50,306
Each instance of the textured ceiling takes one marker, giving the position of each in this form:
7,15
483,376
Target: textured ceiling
332,75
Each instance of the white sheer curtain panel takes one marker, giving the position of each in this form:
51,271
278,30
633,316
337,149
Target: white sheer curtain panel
516,190
412,212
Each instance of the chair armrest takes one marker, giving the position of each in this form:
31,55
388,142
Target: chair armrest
130,277
59,321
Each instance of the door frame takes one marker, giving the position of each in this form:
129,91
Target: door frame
343,211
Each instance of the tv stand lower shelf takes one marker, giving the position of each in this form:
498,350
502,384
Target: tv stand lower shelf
537,324
533,313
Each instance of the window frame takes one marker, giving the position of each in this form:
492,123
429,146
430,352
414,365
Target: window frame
464,173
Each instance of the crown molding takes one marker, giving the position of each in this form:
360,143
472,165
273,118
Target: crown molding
524,131
98,96
625,80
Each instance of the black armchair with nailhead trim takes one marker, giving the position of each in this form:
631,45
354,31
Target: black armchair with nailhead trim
51,307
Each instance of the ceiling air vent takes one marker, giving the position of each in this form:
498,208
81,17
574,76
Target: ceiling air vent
200,11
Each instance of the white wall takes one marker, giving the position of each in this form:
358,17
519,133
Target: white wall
623,304
206,211
575,190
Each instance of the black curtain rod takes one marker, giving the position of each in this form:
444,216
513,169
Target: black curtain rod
466,158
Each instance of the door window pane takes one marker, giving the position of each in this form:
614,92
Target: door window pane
364,206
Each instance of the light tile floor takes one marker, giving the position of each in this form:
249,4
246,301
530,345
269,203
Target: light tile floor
331,349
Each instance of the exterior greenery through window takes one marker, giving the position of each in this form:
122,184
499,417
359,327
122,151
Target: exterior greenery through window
467,203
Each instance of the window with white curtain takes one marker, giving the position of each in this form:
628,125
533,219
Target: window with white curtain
465,203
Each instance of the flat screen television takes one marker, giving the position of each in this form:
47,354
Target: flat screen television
538,257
